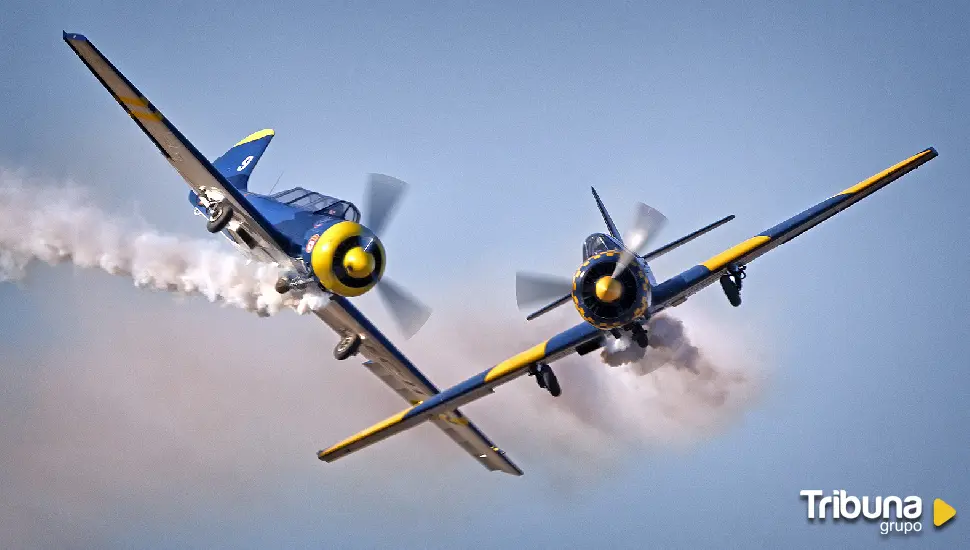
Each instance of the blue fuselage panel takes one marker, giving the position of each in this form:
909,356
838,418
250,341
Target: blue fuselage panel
295,224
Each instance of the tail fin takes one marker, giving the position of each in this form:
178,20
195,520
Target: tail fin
606,217
237,163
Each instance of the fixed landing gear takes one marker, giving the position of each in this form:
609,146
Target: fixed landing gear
546,378
731,283
348,346
290,282
283,285
219,216
640,337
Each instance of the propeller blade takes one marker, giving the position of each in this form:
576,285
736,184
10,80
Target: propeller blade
647,222
533,288
382,197
409,312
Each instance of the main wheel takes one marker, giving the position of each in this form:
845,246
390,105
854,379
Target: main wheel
347,347
731,290
221,214
282,285
550,381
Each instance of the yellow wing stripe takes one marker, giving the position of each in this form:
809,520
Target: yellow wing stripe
145,116
135,101
862,185
255,135
367,433
735,252
516,362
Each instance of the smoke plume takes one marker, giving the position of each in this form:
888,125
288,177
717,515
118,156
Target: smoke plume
60,224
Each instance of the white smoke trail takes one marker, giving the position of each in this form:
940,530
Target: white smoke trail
55,224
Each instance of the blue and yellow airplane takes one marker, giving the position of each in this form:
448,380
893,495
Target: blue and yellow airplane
318,240
615,293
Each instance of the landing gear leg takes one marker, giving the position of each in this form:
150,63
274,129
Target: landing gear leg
291,281
640,336
738,272
546,378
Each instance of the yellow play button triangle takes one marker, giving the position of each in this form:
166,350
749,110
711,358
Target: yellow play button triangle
942,512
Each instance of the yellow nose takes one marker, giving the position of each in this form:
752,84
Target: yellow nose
608,289
358,263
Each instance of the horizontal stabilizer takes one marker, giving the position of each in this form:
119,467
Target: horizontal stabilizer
549,307
686,239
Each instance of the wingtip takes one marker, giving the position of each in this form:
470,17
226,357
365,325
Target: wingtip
73,36
932,151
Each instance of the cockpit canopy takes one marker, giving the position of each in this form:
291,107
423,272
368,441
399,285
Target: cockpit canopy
314,202
598,242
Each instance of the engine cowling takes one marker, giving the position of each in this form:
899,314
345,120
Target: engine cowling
347,258
607,302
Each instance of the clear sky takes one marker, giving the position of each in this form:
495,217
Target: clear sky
134,419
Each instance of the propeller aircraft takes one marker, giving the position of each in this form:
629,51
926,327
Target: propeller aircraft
318,241
615,293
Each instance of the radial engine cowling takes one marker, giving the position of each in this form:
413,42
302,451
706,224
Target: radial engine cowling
347,258
606,302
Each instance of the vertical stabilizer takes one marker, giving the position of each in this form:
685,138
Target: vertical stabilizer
606,217
237,164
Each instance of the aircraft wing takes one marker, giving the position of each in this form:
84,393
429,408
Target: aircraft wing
395,370
197,171
470,390
675,290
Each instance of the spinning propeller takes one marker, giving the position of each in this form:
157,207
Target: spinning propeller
532,289
382,197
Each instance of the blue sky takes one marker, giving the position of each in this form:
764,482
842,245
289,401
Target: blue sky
117,417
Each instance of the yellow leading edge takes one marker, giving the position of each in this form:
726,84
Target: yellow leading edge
735,252
518,361
866,183
369,431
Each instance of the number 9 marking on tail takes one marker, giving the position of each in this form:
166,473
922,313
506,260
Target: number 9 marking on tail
245,163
